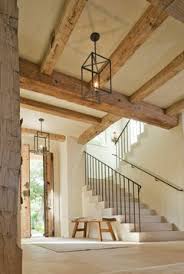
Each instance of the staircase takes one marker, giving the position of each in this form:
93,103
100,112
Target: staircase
151,228
109,193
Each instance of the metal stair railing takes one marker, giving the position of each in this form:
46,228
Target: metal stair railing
117,191
151,174
128,137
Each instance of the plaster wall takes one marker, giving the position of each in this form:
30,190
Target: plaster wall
72,180
161,152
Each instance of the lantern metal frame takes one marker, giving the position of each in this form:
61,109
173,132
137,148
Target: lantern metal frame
43,138
95,65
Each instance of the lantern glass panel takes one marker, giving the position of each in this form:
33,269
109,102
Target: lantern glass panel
92,69
41,142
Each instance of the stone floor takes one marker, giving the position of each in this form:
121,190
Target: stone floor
159,258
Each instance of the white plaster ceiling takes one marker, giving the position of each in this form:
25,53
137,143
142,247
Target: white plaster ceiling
60,103
52,124
160,49
113,19
169,93
37,19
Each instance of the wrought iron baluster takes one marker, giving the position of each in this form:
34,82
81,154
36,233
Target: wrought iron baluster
124,192
100,178
121,147
133,192
87,161
90,171
120,197
93,175
105,183
109,193
116,157
112,184
127,138
139,209
129,200
96,176
116,192
102,182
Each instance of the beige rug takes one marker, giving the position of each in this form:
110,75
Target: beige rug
80,246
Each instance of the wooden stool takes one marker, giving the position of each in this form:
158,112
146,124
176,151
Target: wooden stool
108,229
77,229
87,221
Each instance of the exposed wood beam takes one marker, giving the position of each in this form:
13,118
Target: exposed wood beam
10,153
174,8
174,67
61,34
176,108
53,136
93,131
151,19
68,88
58,111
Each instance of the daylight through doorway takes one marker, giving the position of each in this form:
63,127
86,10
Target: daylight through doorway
37,195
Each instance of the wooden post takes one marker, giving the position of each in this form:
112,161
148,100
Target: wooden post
10,157
25,193
48,170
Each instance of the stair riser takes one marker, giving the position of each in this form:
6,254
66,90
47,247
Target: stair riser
114,194
121,205
160,236
149,227
143,212
144,219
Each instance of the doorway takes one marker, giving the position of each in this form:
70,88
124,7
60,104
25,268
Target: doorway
37,194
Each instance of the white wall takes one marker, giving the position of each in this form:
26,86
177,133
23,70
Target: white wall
162,152
72,180
104,152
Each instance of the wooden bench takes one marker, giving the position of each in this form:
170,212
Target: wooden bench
98,221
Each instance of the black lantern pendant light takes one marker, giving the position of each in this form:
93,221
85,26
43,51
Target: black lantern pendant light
41,140
92,69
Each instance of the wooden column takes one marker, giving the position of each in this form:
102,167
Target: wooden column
48,170
10,253
25,193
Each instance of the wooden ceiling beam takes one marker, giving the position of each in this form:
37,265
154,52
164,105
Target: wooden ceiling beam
68,88
175,108
151,19
174,8
53,136
93,131
58,111
61,34
174,67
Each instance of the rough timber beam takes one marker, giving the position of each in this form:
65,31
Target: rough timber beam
58,111
176,108
61,34
151,19
53,137
174,8
93,131
68,88
174,67
10,154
